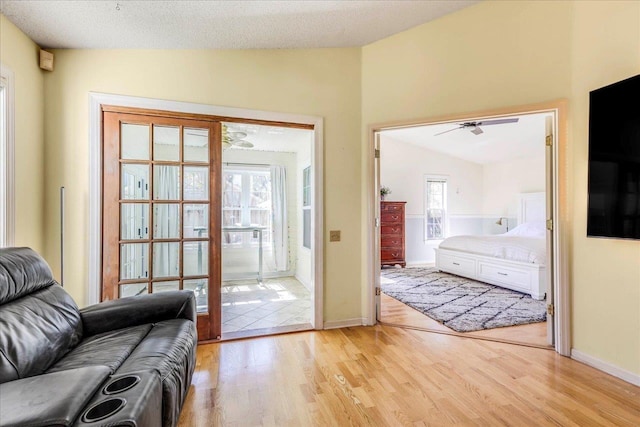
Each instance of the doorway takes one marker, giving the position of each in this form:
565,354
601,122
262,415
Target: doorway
189,245
436,222
266,229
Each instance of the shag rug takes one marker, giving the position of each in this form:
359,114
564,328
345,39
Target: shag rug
461,304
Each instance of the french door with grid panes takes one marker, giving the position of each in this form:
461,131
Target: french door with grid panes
160,212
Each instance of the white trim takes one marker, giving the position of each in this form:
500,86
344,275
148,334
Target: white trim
96,100
606,367
346,323
7,166
562,327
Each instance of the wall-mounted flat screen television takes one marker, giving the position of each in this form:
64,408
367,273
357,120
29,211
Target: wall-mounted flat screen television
614,160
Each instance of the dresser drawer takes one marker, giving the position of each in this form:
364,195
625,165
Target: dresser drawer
392,217
391,207
455,264
391,241
516,279
390,254
392,230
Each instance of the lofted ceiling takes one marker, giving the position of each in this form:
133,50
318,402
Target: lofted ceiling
496,143
215,24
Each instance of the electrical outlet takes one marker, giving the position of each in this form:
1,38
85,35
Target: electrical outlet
334,235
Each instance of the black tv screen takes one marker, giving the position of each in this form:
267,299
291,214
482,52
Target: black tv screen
614,160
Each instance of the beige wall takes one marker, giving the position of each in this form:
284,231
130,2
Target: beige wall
20,54
497,54
311,82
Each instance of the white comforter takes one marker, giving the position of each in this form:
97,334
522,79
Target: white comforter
514,248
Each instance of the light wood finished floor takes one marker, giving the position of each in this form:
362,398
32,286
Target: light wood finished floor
389,376
394,312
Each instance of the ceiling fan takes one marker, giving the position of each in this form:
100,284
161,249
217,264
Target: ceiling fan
234,139
474,127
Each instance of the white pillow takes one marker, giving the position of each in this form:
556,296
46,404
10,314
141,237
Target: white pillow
529,229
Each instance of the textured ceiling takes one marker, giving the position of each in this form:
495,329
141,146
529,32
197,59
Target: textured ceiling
213,24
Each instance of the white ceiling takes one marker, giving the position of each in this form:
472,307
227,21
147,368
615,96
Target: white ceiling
215,24
498,142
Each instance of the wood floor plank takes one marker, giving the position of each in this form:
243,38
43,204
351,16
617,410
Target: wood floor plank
389,376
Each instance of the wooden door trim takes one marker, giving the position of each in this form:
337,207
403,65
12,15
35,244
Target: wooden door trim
202,117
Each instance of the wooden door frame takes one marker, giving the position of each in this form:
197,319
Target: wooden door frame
98,100
561,208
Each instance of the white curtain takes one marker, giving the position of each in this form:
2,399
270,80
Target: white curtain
166,186
280,226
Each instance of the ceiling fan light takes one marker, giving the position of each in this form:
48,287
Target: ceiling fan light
476,131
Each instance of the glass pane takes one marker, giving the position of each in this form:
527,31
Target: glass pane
196,258
134,260
166,221
196,183
166,143
196,220
232,191
134,221
134,184
306,228
199,287
196,145
306,186
133,289
135,141
166,262
260,196
231,217
172,285
166,182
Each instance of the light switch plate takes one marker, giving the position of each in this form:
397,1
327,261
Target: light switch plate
334,235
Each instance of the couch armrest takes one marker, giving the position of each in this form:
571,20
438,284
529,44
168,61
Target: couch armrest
55,399
138,310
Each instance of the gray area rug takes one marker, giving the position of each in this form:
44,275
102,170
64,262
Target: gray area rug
461,304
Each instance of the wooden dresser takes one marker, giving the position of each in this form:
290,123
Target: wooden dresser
392,233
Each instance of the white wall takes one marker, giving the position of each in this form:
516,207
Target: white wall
403,167
504,180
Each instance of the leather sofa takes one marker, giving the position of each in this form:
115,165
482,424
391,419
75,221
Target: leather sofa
126,362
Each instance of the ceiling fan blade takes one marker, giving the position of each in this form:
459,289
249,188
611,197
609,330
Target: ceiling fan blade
440,133
497,121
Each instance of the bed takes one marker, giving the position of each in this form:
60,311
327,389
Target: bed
513,260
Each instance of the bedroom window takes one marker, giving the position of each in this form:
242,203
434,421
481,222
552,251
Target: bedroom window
435,207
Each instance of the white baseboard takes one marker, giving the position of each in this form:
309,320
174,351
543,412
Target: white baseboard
607,367
421,263
346,323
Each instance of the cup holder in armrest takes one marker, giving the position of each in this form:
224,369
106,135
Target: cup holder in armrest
121,384
103,409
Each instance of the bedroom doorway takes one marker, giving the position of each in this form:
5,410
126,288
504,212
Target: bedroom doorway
473,176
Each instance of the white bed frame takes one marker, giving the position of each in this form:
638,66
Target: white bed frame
518,276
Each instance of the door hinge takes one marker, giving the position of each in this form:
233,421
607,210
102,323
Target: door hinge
376,153
548,141
377,222
550,310
550,224
377,290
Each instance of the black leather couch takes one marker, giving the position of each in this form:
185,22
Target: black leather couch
127,362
